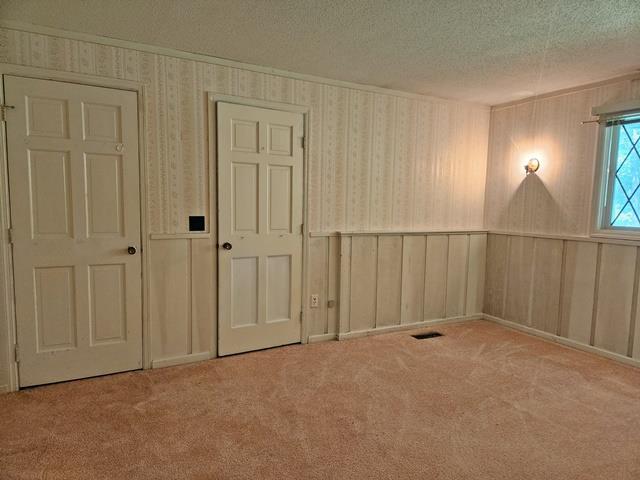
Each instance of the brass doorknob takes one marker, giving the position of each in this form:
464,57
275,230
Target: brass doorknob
227,246
131,250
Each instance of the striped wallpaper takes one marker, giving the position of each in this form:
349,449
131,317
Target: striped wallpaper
377,161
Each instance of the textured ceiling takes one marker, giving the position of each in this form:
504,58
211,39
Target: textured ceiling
488,51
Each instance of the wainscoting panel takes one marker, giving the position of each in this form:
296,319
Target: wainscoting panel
364,255
578,288
583,290
495,279
413,269
390,281
476,275
457,270
545,290
615,298
183,298
435,284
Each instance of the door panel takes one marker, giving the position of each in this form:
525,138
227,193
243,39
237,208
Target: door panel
50,189
245,198
55,308
279,198
75,208
107,298
278,288
260,161
104,209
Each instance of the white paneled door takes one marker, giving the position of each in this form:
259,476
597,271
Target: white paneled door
260,159
75,218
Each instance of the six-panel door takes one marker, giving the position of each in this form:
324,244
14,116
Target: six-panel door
75,210
260,157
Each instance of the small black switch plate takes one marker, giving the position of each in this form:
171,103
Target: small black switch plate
196,223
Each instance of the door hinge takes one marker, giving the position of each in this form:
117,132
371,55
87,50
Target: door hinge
302,228
303,142
300,316
10,235
16,353
3,111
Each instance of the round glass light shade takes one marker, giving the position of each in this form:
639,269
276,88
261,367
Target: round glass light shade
532,165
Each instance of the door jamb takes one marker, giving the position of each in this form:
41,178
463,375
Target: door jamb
6,256
212,99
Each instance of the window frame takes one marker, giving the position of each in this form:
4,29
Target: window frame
605,175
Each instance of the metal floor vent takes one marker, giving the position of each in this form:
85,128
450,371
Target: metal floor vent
422,336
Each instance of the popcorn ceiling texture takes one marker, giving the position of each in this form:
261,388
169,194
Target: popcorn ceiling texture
490,51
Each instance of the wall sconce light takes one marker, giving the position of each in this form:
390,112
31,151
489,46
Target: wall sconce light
532,166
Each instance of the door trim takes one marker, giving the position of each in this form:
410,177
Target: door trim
305,111
6,258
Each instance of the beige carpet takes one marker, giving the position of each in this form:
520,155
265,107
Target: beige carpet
482,402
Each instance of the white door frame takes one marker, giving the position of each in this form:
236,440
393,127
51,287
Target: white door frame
212,99
6,258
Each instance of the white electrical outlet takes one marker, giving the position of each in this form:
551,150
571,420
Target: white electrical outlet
315,300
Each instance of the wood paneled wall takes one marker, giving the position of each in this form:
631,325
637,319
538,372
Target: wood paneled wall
182,304
377,160
394,280
557,200
544,271
584,290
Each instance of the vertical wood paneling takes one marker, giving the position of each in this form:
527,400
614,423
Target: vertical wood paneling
494,287
363,282
413,262
635,350
387,278
585,291
333,285
519,278
345,284
170,298
389,292
615,293
476,273
578,289
435,284
317,274
545,295
203,300
457,275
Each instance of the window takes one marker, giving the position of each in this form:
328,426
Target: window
620,199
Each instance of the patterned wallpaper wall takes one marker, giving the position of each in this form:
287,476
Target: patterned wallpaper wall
377,161
557,200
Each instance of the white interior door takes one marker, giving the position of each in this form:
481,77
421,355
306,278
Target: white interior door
75,211
260,159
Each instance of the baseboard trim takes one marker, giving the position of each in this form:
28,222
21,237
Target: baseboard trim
408,326
325,337
5,389
180,360
567,342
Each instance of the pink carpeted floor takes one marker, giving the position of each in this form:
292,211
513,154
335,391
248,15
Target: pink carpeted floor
482,402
